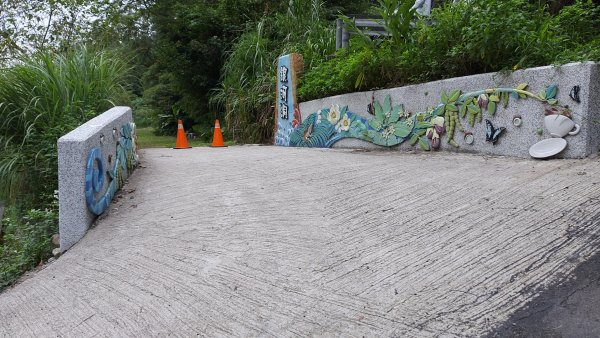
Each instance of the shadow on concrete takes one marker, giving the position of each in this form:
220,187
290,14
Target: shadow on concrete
567,309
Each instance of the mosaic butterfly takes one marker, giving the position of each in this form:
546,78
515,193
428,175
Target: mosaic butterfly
492,134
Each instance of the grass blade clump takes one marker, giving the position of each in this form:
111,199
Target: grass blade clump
249,79
42,98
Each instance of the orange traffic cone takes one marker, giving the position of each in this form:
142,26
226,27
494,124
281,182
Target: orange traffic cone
217,136
182,142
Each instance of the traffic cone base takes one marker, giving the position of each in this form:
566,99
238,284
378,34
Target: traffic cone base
181,142
217,136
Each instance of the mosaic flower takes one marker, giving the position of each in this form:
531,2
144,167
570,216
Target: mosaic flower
334,114
319,116
343,124
404,114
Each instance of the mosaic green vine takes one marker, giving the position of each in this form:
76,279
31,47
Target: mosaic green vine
392,124
471,105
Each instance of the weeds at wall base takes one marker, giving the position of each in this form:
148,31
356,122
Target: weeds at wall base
25,241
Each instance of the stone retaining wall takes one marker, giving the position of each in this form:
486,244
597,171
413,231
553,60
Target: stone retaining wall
516,141
76,152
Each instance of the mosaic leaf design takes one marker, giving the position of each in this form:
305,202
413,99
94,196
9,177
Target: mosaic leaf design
551,92
504,98
424,143
491,108
310,134
391,124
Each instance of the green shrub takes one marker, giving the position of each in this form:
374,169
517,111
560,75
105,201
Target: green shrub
470,38
462,39
42,98
26,241
579,28
578,23
589,51
397,19
247,90
340,75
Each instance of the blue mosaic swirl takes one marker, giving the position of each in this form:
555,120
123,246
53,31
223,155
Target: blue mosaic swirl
125,160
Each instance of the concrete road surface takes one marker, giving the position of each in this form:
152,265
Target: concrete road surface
281,242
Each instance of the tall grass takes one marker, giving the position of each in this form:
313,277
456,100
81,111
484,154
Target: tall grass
247,91
42,98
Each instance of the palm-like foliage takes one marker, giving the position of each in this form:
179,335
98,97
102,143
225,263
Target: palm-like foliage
42,98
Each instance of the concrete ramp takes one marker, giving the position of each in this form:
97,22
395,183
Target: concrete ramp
265,241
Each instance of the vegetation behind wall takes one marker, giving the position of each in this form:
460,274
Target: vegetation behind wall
43,97
461,39
458,39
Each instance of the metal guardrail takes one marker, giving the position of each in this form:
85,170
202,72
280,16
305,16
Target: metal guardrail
368,25
371,26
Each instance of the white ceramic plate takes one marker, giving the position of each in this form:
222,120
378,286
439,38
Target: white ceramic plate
548,147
